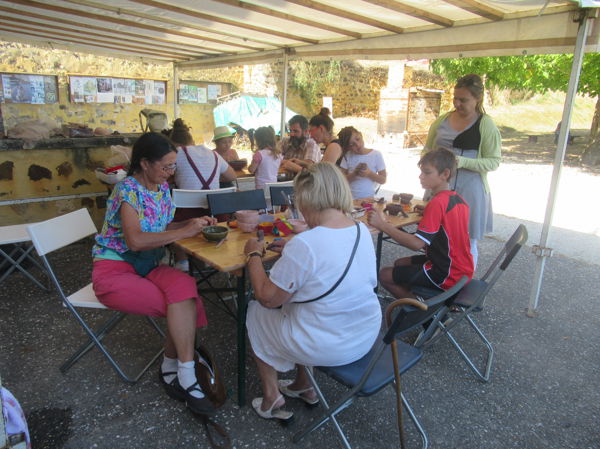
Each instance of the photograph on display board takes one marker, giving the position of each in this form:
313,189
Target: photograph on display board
31,89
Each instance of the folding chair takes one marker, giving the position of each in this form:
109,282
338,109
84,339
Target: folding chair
56,233
227,203
382,365
276,191
470,300
18,244
195,198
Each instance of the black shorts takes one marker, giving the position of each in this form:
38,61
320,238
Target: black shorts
414,276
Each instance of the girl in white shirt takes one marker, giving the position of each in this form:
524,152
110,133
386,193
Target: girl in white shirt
266,161
364,168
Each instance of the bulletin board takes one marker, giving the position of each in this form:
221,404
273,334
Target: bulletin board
201,92
28,88
103,89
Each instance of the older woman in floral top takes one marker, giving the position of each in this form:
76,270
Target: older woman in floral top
127,275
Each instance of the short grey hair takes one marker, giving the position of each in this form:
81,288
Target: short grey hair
323,186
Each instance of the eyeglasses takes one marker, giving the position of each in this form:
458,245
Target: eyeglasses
170,167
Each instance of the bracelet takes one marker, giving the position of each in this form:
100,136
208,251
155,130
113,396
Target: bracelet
252,253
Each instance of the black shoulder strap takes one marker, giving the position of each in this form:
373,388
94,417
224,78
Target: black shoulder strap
205,183
343,274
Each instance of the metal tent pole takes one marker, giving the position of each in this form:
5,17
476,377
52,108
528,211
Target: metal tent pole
175,92
284,92
541,251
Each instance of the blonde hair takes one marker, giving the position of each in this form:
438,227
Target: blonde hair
323,186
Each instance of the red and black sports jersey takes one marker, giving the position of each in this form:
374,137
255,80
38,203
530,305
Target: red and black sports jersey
445,230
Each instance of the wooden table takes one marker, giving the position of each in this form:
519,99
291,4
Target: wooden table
229,258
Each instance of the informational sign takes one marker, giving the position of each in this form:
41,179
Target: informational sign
96,89
201,92
32,89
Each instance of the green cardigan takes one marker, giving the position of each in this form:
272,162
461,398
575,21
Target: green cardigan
490,148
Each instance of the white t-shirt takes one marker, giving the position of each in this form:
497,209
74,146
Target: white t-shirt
203,157
334,330
267,168
363,187
313,151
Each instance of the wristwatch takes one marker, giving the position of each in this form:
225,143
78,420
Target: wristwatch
253,253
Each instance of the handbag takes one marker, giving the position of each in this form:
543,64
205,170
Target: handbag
144,261
211,382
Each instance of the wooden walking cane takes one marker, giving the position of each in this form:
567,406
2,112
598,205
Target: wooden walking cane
394,348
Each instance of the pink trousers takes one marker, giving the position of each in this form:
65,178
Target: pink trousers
119,287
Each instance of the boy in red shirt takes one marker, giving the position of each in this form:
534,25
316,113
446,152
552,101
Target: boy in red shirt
443,234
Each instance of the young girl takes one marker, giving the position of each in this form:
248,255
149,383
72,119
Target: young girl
266,161
364,168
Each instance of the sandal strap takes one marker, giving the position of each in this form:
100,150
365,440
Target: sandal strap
195,386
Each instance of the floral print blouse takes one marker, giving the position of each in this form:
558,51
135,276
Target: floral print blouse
155,211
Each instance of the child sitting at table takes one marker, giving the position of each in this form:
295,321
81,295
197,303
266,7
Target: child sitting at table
443,233
266,161
364,168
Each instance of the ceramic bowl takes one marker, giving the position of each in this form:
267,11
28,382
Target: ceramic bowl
262,218
393,209
215,233
298,225
247,216
247,227
239,164
406,197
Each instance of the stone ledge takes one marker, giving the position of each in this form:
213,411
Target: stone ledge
62,143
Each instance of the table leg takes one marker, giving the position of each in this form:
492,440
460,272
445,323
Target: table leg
378,255
241,337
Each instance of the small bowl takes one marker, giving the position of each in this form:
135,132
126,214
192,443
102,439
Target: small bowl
298,225
262,218
247,227
215,233
393,209
406,197
247,216
239,164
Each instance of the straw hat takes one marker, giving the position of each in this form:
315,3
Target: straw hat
222,131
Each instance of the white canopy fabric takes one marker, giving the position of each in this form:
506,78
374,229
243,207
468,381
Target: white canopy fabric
224,32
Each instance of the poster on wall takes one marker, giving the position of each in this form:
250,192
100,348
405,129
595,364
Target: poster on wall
31,89
93,89
214,91
201,92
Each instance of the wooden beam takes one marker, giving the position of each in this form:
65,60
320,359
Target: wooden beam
79,33
213,18
105,30
70,41
110,19
413,12
284,16
179,23
478,8
347,15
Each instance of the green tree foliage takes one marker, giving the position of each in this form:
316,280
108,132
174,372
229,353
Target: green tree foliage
313,78
536,73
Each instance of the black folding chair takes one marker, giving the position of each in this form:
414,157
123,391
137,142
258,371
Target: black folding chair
470,300
277,195
227,203
382,365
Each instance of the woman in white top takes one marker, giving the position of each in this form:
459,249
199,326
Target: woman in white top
309,328
363,167
266,161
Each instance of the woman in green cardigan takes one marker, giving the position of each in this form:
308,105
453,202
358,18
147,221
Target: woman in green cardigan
472,135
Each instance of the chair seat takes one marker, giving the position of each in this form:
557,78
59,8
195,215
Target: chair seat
382,374
14,234
471,293
86,298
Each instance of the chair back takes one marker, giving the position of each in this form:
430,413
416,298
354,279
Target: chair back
227,203
268,185
58,232
410,317
195,198
276,193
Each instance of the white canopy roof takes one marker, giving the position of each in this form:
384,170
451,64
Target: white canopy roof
224,32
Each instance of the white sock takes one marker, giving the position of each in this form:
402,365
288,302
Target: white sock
186,374
169,365
183,265
474,252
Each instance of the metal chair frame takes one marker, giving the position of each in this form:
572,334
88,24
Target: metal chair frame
56,233
471,300
21,252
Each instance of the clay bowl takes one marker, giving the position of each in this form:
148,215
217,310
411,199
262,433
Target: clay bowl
238,164
298,225
215,233
247,227
393,209
247,216
406,197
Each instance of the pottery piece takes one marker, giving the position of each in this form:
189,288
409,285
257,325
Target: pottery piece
215,233
298,225
393,209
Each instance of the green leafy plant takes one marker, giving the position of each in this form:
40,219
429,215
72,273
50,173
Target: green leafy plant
313,79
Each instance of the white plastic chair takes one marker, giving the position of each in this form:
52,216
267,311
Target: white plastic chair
56,233
195,198
20,253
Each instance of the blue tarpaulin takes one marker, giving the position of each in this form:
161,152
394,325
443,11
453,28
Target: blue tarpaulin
251,112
